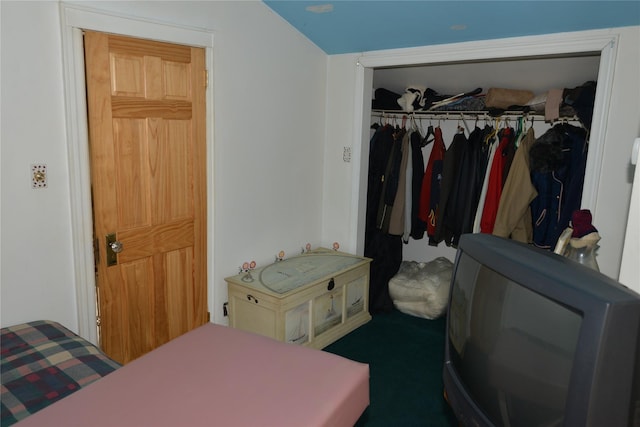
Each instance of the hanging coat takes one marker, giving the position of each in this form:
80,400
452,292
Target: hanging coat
450,171
467,186
390,181
397,217
418,227
558,160
494,189
379,151
513,219
384,250
485,183
430,193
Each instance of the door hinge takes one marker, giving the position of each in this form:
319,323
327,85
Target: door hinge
96,252
206,79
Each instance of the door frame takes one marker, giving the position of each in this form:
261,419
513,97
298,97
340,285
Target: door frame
603,42
74,19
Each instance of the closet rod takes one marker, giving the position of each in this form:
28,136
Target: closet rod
481,115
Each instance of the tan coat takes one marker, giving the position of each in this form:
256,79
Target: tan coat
513,219
396,222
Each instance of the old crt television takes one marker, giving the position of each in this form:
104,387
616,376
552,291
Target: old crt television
535,339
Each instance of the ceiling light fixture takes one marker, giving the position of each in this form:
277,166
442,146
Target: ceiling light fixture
458,27
320,8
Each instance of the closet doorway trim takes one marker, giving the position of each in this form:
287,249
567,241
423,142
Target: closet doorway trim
603,42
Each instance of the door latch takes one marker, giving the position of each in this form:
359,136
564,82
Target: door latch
114,247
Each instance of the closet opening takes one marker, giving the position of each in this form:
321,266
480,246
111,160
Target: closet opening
450,71
537,75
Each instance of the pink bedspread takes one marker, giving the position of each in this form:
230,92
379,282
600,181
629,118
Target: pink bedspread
219,376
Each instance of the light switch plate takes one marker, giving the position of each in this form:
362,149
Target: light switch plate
346,154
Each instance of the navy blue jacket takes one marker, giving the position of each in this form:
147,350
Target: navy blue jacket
558,161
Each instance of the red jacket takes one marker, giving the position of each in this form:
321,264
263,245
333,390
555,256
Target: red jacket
494,187
430,192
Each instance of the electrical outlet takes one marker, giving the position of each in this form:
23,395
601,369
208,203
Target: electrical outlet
346,154
38,176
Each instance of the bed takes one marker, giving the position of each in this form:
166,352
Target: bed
219,376
43,362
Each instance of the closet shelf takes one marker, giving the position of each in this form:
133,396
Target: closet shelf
482,115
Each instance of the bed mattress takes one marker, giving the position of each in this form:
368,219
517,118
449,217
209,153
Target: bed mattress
43,362
219,376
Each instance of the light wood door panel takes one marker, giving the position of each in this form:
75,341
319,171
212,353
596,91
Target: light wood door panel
148,170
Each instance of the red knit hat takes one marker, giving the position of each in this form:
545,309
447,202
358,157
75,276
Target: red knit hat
581,223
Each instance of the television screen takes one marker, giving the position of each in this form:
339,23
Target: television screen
526,339
511,346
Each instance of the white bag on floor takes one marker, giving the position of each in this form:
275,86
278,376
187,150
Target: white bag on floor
422,288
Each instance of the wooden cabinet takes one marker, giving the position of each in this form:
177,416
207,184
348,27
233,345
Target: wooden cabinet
311,299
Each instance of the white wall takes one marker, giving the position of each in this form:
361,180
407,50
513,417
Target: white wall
614,187
629,268
610,215
36,232
337,173
269,91
272,189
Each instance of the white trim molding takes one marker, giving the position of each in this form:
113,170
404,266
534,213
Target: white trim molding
75,19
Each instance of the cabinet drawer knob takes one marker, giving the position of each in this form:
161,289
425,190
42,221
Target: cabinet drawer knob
331,285
251,297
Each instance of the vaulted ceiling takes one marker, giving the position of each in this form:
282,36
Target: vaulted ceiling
349,26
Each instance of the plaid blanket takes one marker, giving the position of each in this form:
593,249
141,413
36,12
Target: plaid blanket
42,362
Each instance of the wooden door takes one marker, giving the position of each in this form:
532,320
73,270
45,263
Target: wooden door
146,106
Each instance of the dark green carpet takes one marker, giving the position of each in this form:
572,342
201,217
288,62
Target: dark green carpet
405,355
